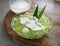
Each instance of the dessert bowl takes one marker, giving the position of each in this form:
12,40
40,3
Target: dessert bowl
31,26
28,31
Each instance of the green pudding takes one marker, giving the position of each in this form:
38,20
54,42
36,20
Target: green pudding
29,27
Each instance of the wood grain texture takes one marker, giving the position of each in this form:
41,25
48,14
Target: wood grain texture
51,39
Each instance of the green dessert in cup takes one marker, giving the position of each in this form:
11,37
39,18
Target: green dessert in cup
31,26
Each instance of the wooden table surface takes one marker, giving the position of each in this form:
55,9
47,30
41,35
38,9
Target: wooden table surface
51,39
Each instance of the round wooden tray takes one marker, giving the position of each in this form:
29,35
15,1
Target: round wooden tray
52,38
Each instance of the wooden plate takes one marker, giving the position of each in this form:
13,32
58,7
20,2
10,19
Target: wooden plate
52,38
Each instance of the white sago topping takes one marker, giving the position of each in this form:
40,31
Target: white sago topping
33,24
25,30
40,25
30,25
19,7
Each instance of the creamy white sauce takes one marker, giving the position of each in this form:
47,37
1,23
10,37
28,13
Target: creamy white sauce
32,24
19,7
23,20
